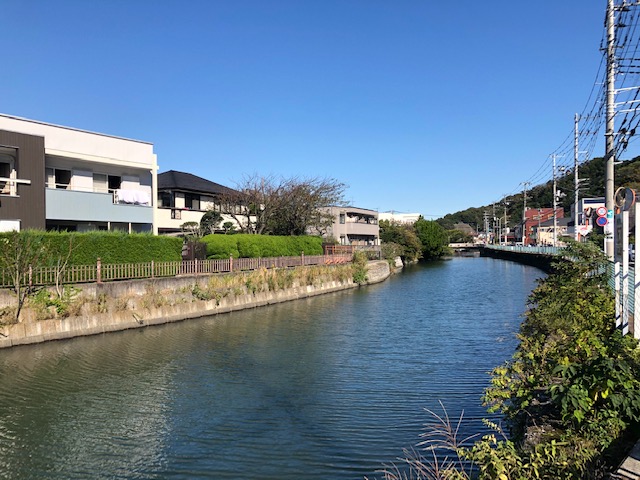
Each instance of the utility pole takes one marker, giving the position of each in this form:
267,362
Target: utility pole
524,213
486,227
505,219
495,223
576,181
610,126
555,220
524,197
556,194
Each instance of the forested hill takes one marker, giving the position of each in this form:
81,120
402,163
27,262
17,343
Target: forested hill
593,171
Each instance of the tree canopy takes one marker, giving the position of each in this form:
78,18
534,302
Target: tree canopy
433,237
210,221
283,206
422,239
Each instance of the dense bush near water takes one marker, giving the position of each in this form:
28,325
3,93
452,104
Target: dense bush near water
110,247
261,246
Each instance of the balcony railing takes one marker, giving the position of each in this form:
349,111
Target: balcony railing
119,196
9,186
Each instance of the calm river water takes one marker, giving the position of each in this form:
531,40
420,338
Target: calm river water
326,388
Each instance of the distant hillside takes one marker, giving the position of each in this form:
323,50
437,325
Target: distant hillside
627,175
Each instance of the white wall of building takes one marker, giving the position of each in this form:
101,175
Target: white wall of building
89,146
399,217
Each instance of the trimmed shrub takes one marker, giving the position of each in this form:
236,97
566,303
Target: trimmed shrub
110,247
221,246
261,246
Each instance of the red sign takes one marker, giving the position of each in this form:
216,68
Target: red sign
601,221
601,211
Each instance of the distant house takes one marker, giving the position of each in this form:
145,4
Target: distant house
407,218
63,178
184,197
543,234
525,231
354,226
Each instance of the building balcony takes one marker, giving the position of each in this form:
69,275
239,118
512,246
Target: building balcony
75,205
359,228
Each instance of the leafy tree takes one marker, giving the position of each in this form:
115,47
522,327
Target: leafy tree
390,250
191,228
472,216
433,238
456,236
572,380
19,252
229,227
209,222
403,235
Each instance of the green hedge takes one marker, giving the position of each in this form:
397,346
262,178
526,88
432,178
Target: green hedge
261,246
221,246
110,247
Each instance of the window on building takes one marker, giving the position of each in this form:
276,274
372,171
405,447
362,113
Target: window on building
166,199
192,201
7,171
100,183
50,179
114,182
62,178
342,218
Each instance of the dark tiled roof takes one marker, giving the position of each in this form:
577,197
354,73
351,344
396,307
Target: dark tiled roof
174,180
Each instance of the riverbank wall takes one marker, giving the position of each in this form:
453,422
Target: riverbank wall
543,262
118,306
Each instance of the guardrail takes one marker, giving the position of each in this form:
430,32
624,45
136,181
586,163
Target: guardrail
623,284
527,249
101,272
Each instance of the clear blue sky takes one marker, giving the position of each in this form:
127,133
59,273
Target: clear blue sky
418,106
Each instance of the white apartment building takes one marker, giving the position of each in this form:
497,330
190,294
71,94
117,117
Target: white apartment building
64,178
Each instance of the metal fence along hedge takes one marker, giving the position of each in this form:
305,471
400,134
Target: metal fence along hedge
101,272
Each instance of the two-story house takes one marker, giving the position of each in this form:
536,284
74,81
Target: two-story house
64,178
184,197
354,226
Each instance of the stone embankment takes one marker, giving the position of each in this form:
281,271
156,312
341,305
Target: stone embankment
124,305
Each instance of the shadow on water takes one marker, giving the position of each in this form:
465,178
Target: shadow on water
329,387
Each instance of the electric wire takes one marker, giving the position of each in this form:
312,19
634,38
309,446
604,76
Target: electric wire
592,119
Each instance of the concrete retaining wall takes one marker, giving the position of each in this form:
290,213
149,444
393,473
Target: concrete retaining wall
91,323
543,262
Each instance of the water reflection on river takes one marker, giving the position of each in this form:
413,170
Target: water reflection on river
324,388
